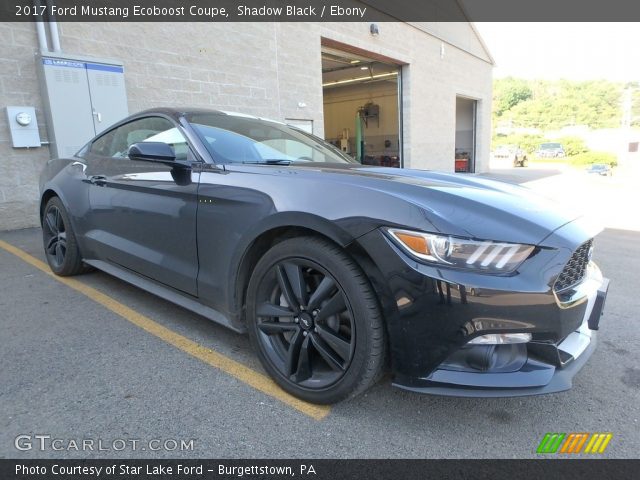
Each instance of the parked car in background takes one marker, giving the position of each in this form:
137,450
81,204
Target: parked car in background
513,153
504,151
550,150
600,169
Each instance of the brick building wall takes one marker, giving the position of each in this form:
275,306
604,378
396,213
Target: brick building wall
264,69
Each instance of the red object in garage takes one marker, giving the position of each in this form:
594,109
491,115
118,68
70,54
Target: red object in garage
462,165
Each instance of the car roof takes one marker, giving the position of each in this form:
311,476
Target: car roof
176,113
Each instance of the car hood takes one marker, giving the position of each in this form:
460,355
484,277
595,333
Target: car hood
456,204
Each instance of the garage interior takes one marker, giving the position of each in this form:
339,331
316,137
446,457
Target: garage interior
465,134
361,107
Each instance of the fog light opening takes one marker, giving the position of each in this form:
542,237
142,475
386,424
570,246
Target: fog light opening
501,339
487,358
482,358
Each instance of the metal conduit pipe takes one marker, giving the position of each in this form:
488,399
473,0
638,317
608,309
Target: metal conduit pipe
42,34
55,36
53,31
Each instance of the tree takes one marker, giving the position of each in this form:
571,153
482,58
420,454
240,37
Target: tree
635,107
508,92
555,104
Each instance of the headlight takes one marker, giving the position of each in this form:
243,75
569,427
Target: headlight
486,256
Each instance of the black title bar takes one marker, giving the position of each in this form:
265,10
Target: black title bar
317,469
318,10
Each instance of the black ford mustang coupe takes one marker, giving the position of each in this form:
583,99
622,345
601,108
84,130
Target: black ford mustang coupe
460,285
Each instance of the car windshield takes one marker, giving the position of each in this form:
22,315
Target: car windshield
550,146
231,138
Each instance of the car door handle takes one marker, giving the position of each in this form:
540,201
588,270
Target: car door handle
99,180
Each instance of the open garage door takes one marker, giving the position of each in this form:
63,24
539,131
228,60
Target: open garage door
465,160
362,113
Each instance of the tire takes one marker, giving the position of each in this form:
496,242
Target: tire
60,244
314,321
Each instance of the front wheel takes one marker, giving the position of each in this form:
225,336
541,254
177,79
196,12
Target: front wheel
314,321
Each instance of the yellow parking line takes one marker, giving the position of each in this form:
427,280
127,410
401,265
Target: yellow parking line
211,357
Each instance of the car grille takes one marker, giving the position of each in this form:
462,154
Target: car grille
575,269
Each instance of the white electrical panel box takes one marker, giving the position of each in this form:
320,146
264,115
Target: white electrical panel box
83,96
23,127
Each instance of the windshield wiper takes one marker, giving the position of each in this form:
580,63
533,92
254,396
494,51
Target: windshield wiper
271,161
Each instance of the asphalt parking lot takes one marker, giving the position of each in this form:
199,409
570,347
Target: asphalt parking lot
77,365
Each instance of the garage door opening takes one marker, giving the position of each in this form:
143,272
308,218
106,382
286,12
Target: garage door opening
362,116
465,135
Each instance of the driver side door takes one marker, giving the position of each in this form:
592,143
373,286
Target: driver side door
142,214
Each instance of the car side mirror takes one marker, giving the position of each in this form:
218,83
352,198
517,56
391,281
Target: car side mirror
152,152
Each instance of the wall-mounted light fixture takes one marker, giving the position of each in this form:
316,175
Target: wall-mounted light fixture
373,28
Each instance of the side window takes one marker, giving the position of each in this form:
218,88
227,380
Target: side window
116,143
102,146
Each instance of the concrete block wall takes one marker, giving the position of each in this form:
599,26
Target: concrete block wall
271,70
19,168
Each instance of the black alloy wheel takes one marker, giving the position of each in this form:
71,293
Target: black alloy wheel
305,323
60,245
55,236
308,324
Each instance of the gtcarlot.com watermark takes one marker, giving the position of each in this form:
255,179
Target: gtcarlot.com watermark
46,442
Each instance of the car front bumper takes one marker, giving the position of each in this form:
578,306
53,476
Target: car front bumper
433,313
538,375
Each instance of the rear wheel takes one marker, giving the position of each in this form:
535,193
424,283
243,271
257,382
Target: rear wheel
315,321
60,245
